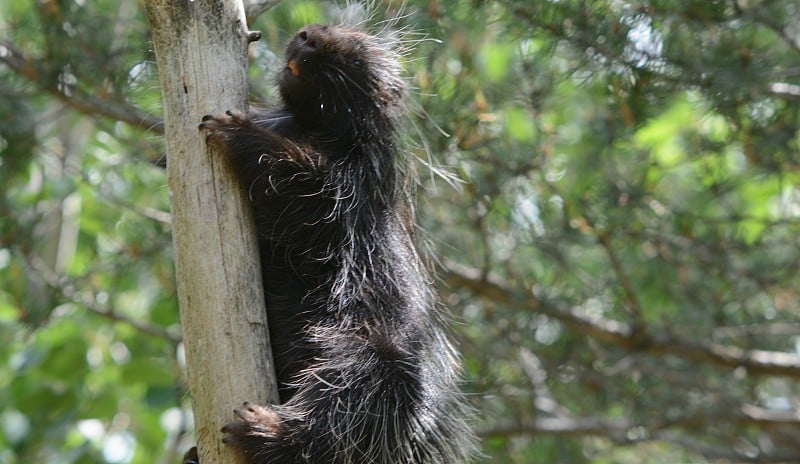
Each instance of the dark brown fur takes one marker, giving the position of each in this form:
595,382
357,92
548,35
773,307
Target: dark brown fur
365,370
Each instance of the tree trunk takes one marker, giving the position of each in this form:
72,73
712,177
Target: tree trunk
201,50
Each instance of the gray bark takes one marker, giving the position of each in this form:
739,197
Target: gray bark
201,50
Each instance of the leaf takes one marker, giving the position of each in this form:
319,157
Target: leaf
519,124
148,371
497,60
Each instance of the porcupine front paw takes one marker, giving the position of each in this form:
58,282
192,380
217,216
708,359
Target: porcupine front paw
217,124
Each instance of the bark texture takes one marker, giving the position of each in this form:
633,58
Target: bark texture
201,50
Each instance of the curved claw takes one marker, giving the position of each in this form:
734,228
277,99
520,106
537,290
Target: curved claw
191,456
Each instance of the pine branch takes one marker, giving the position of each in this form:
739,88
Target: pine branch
75,99
68,289
624,431
655,341
255,8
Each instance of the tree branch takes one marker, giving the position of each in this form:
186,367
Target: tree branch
558,426
634,305
723,452
657,342
785,90
776,28
255,8
67,289
622,431
86,104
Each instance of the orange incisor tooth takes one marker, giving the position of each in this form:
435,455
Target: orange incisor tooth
292,65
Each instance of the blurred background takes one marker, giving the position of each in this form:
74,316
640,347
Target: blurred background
619,251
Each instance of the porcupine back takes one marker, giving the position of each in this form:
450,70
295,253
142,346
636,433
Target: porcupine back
366,372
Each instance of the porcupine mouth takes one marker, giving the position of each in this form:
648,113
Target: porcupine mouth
292,67
294,83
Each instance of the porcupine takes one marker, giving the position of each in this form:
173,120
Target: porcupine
365,370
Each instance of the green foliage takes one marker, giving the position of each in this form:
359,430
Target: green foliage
629,210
